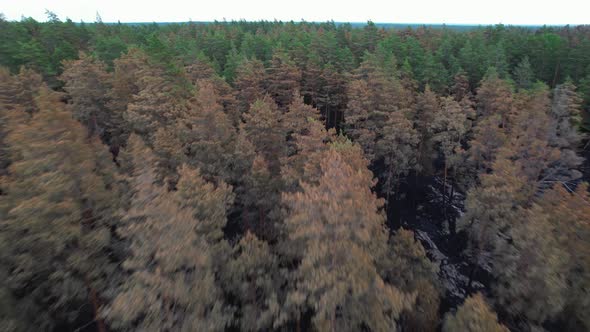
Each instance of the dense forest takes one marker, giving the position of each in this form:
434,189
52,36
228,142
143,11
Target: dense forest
282,176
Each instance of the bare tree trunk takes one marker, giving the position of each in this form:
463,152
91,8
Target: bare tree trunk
100,326
413,191
389,188
452,222
471,275
555,75
261,220
444,194
333,321
94,126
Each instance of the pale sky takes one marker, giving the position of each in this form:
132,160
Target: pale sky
529,12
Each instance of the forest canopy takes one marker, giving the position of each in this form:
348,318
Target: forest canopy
289,176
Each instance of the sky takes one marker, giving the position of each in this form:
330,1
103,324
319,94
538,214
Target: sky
522,12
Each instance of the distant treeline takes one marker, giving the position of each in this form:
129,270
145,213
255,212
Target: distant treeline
433,54
398,26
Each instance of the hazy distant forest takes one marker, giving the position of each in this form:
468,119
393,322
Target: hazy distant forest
280,176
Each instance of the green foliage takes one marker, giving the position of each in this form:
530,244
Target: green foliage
107,49
434,56
523,74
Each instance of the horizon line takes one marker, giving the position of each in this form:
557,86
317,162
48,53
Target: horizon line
329,21
225,20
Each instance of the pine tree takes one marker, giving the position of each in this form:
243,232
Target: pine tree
460,88
88,84
210,204
242,165
398,150
153,106
125,85
282,78
433,73
473,315
326,89
207,134
491,207
494,98
243,157
352,154
296,119
564,131
172,282
19,91
584,92
523,74
201,71
7,89
253,279
530,268
249,83
426,109
58,202
504,219
468,107
373,94
233,59
512,226
264,130
161,101
533,145
304,163
565,109
332,96
409,84
29,83
488,137
262,199
528,146
358,111
170,154
449,128
337,223
311,79
199,68
407,267
567,212
14,110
